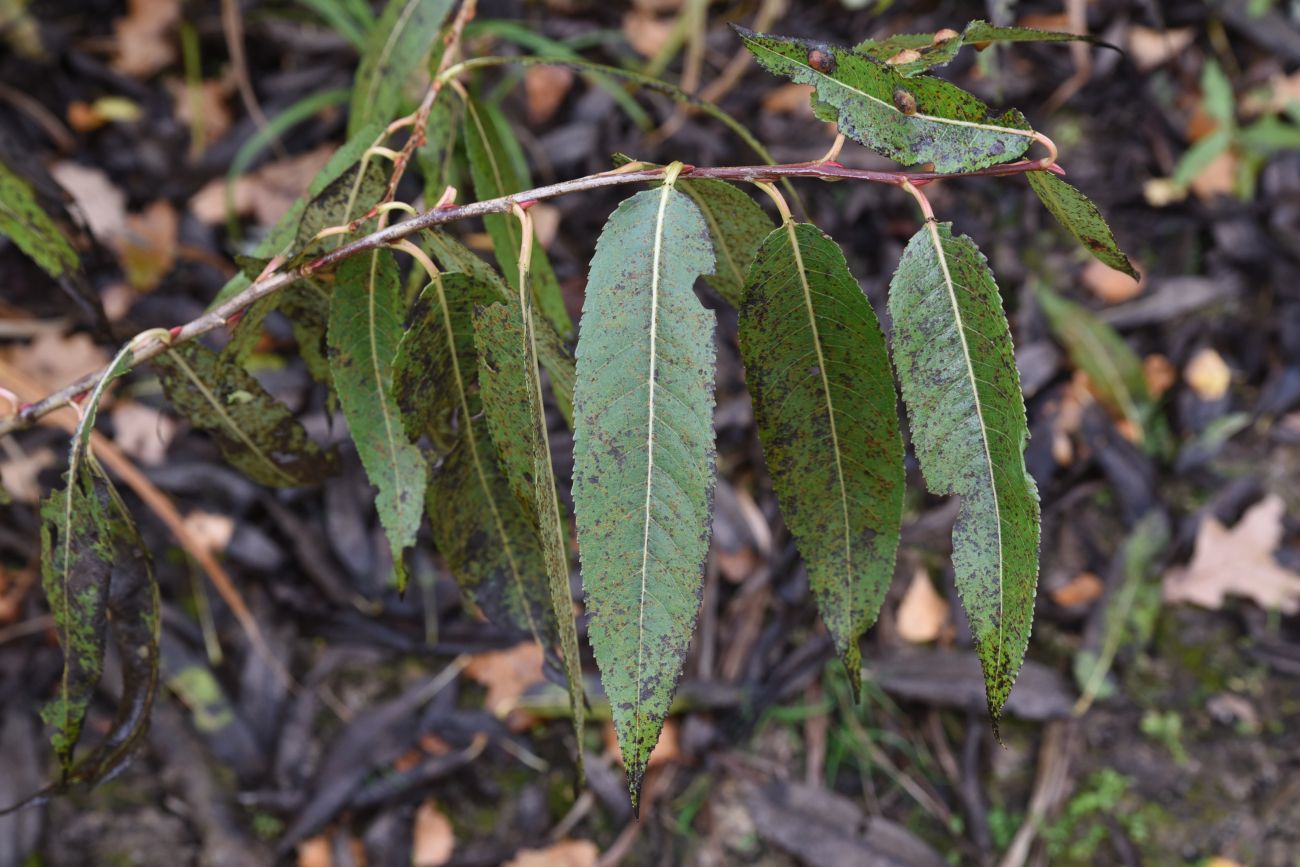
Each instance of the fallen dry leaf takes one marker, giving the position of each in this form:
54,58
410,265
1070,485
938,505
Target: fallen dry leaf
1218,178
1082,588
315,852
54,360
545,88
566,853
434,838
1208,375
18,474
147,249
145,40
507,674
1159,373
100,201
1110,286
210,531
668,749
1151,48
1238,562
90,116
1281,91
213,113
646,32
142,432
923,612
789,99
264,194
546,223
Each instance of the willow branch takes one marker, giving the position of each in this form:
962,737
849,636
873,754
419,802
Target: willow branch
274,281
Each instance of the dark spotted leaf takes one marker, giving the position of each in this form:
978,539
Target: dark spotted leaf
1080,216
24,221
494,174
395,51
737,226
911,120
952,348
256,433
552,352
365,325
933,49
482,530
439,158
644,456
818,371
516,416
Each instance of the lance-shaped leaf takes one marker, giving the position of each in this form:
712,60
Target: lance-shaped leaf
494,174
1080,216
737,226
952,348
554,355
933,50
76,562
818,371
365,325
512,399
478,524
644,456
395,49
24,221
256,433
911,120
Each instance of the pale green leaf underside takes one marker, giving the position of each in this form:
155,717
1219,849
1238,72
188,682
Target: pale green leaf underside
952,348
395,49
818,371
478,524
949,127
977,33
644,455
516,417
494,175
737,226
365,325
256,433
1080,216
23,221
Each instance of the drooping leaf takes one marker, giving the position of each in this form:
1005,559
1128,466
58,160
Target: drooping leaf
644,455
256,433
516,416
365,325
439,157
480,527
1113,368
737,226
818,371
934,52
1080,216
552,352
952,348
911,120
395,49
494,174
23,221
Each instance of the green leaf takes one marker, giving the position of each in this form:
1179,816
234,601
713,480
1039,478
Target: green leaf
1080,216
952,348
23,221
395,49
479,526
256,433
365,325
644,456
516,417
494,175
1199,156
1097,349
1216,94
552,351
977,33
911,120
737,226
818,371
438,158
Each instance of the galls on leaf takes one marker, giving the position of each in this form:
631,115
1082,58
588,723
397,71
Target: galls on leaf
907,55
820,60
904,101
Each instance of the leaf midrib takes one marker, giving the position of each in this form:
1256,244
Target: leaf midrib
942,256
826,390
393,445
